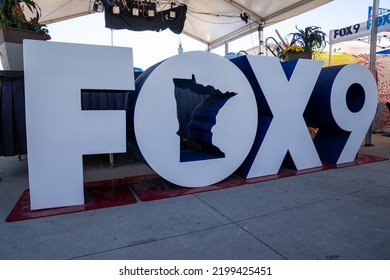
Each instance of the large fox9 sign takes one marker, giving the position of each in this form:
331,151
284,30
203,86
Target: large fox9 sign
247,115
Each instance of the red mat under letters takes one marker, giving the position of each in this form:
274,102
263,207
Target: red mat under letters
101,194
109,193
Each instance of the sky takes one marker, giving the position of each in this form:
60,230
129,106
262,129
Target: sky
151,47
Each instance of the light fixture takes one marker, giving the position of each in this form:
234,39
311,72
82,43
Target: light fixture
151,13
172,14
115,10
135,11
151,9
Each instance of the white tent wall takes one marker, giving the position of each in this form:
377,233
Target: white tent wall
362,45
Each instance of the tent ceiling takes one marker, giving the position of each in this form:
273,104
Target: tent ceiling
211,22
59,10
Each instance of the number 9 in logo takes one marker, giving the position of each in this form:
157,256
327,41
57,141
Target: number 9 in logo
342,105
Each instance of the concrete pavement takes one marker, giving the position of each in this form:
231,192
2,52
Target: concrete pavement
334,214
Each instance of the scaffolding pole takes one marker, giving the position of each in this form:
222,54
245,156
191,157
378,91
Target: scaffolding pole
374,33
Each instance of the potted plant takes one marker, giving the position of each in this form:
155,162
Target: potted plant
14,27
304,43
294,52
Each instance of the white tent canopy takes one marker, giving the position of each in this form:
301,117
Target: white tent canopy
362,45
211,22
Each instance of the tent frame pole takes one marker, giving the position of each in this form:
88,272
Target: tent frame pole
374,33
261,38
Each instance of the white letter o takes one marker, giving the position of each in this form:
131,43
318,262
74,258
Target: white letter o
156,121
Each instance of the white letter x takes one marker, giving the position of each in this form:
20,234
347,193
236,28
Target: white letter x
287,99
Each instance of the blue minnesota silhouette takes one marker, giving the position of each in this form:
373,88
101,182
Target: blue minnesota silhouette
197,109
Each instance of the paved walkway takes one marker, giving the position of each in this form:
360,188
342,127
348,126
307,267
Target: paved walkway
335,214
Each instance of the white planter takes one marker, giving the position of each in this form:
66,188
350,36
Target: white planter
11,56
11,47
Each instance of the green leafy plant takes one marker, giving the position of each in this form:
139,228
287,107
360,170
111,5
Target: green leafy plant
12,15
310,39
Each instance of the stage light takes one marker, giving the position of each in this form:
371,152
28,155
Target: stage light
150,8
172,14
115,10
135,11
151,13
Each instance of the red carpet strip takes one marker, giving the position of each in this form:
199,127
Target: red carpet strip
152,187
109,193
101,194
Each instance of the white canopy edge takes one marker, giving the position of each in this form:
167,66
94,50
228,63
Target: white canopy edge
261,15
60,10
